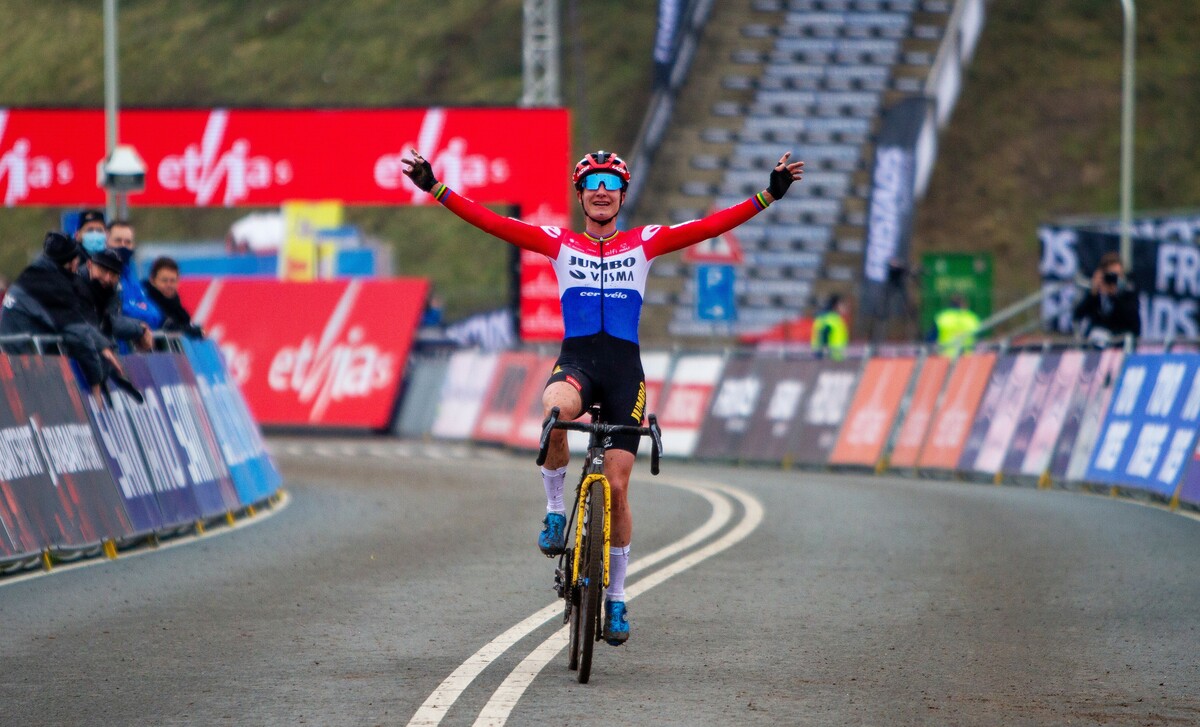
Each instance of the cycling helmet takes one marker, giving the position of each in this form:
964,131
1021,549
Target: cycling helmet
599,161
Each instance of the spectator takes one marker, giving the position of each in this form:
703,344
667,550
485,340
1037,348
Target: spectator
162,288
100,279
954,327
830,334
90,231
134,303
1111,306
47,299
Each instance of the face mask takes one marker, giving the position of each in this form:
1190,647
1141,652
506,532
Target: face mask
125,253
93,241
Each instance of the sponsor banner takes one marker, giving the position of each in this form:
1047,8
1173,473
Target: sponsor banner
422,389
1150,430
74,461
876,402
1166,274
254,474
890,211
737,398
119,440
920,411
177,497
462,395
823,411
29,502
501,403
951,425
1007,414
985,414
527,433
326,353
1189,488
234,157
239,157
204,465
1045,412
687,398
1104,382
786,385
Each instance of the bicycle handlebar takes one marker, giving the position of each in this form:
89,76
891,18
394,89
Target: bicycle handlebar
552,422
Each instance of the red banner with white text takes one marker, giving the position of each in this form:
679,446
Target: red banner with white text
329,353
246,157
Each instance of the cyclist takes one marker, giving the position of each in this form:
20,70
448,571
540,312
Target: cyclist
601,279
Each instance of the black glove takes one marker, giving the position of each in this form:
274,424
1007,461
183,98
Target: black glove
422,175
781,179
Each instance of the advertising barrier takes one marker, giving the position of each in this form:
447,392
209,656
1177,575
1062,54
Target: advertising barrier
930,381
1042,421
985,413
501,404
418,404
326,353
527,430
951,425
687,398
1007,414
1150,429
733,405
821,416
869,421
90,510
786,385
462,394
1099,394
254,474
1189,487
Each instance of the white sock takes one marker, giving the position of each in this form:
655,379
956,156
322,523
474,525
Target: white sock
618,562
553,481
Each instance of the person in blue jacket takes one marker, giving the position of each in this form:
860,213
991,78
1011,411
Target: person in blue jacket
134,302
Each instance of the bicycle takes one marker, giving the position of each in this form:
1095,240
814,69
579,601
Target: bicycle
582,572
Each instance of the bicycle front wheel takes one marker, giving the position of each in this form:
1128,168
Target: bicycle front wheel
591,590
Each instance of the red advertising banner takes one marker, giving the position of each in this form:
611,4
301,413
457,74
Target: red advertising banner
245,157
869,421
528,430
952,423
329,353
502,403
920,411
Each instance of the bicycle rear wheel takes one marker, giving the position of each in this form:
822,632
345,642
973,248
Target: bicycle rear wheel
591,591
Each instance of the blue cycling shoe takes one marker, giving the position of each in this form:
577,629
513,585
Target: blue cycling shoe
553,539
616,623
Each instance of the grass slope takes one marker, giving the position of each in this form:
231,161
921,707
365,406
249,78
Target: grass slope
1036,133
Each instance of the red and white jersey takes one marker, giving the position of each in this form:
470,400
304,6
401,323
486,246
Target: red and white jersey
601,282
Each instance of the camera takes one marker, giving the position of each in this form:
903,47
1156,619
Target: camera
1111,278
122,171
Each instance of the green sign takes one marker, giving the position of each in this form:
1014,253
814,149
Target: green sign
946,273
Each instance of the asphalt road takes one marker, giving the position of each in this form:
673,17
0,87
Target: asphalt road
400,585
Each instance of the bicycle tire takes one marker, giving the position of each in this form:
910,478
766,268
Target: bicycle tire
572,607
592,591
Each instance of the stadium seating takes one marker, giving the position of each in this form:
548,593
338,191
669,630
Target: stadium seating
812,76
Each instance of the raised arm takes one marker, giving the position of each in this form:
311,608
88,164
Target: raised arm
689,233
515,232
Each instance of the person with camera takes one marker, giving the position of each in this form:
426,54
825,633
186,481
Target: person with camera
1110,309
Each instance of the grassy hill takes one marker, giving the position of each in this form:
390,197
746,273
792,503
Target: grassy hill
1036,133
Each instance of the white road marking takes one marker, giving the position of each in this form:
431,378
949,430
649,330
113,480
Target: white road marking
496,712
435,707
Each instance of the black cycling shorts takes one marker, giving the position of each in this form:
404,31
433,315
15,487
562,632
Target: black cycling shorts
606,370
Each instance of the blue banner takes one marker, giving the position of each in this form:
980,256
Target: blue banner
165,460
120,444
254,474
1150,428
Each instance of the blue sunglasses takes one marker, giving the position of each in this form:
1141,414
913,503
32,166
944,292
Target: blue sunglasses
611,182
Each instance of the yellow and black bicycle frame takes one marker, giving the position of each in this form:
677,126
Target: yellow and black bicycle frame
584,488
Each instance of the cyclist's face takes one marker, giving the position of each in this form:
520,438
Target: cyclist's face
601,204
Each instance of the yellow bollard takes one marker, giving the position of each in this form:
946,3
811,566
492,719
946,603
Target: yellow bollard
47,561
110,549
